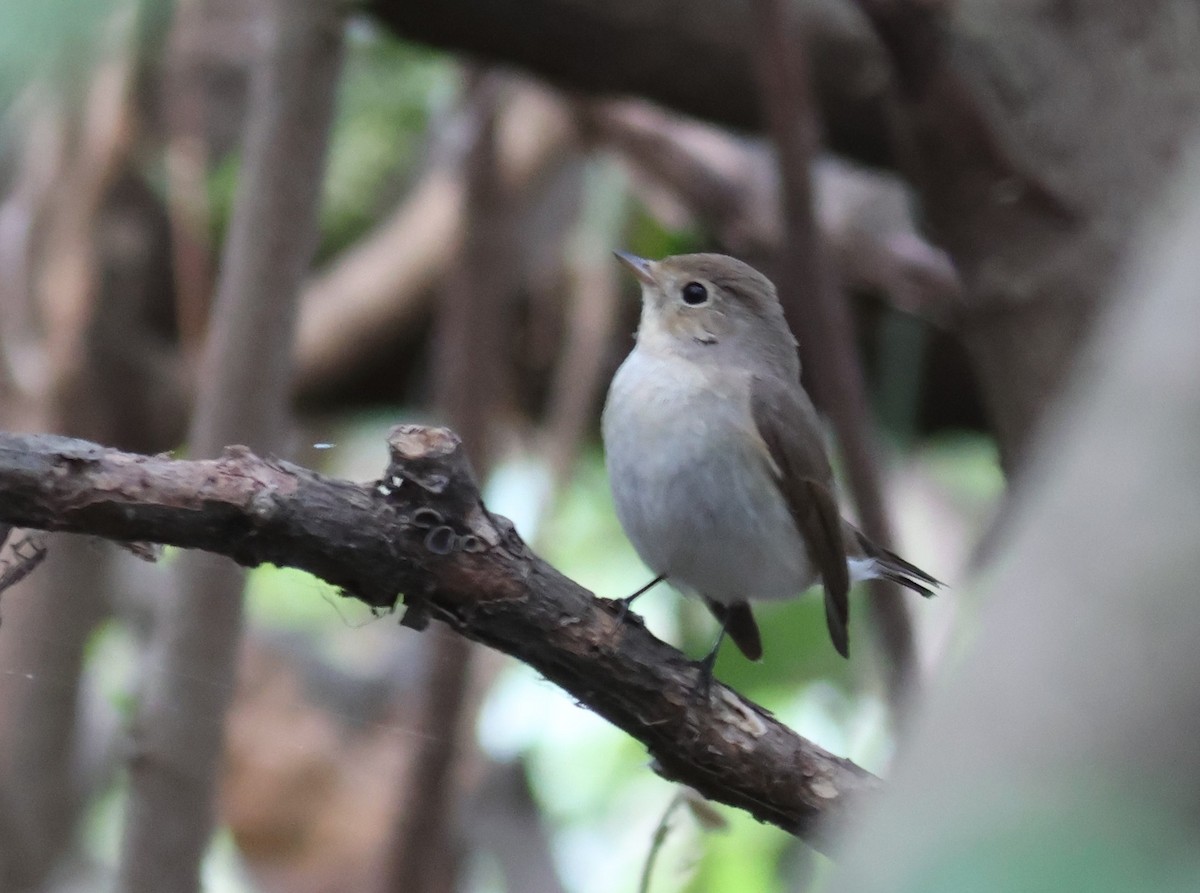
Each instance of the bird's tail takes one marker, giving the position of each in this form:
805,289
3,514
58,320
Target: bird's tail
886,564
738,621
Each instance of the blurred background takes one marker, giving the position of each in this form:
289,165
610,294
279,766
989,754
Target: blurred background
442,230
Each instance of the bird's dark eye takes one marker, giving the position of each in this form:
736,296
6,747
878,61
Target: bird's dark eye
694,293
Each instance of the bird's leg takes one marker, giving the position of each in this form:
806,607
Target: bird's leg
624,603
704,683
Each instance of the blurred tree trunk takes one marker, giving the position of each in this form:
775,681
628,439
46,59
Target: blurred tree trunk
1062,751
243,397
1034,132
472,392
1035,149
85,260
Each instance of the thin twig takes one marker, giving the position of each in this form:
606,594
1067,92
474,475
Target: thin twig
658,839
820,315
27,554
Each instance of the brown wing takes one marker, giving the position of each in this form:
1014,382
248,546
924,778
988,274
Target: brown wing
788,425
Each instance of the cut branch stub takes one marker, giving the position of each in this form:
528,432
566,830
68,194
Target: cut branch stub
430,457
445,510
423,531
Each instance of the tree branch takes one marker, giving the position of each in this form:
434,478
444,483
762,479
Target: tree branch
422,531
699,61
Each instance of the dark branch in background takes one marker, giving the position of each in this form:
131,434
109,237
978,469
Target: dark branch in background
78,272
819,313
503,819
187,111
699,63
470,389
423,532
916,36
383,286
26,554
730,184
990,200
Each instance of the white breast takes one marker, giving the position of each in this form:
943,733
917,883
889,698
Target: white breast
692,485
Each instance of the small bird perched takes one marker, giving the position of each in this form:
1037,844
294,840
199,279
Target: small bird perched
715,454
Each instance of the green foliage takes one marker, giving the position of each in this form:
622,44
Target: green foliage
646,236
745,857
387,94
1109,843
968,465
111,658
796,648
294,599
46,37
389,90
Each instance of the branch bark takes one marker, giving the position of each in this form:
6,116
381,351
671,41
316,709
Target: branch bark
423,531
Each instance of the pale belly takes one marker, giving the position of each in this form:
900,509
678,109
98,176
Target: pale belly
692,490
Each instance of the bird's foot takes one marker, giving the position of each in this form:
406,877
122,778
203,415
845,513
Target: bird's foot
621,611
704,680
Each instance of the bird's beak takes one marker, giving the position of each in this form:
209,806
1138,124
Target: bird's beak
639,265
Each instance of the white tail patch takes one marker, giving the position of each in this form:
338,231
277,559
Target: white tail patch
862,569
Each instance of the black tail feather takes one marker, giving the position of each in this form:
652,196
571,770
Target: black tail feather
739,623
893,567
837,622
907,581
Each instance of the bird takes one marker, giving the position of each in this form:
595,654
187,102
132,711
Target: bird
716,457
